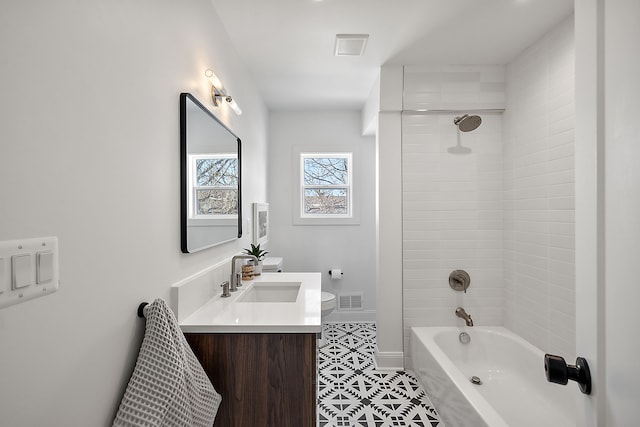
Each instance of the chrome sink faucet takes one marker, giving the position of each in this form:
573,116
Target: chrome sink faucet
234,276
463,315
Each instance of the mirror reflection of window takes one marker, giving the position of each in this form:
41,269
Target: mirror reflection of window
215,185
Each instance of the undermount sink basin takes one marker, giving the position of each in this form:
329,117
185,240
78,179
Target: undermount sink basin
272,292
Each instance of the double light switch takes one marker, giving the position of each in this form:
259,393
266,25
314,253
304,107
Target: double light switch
28,269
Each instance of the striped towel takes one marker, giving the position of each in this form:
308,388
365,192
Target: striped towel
168,386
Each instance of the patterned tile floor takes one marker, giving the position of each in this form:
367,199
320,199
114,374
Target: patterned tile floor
353,393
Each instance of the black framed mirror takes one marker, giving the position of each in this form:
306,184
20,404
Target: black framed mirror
210,178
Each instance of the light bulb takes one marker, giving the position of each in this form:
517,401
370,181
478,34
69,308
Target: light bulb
215,81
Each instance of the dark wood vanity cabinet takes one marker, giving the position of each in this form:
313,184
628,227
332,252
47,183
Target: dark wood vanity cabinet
265,379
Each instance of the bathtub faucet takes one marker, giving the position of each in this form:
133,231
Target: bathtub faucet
463,315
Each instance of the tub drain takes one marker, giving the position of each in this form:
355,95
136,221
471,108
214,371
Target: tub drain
476,380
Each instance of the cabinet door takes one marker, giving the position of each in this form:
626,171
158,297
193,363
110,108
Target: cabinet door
264,379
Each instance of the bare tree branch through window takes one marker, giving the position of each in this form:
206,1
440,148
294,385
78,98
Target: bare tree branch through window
326,186
216,189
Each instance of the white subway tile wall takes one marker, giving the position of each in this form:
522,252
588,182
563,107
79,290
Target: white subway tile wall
503,212
453,219
452,87
539,224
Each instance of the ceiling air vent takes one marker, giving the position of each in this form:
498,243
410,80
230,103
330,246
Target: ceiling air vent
351,44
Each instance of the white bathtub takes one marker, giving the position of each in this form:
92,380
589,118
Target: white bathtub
514,390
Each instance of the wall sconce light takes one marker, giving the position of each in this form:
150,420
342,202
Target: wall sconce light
219,93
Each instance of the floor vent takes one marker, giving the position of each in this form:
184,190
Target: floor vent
350,302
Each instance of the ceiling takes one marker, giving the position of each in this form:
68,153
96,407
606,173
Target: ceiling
288,45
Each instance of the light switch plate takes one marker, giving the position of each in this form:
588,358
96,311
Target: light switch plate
30,269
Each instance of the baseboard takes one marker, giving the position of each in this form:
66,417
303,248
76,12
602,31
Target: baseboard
350,316
389,360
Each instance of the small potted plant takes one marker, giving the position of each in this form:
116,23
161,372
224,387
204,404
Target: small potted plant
259,254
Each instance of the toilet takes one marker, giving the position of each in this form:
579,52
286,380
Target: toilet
328,303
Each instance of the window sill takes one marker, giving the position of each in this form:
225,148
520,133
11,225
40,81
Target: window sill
326,221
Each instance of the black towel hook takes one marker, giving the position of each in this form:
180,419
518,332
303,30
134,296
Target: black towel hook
559,372
141,309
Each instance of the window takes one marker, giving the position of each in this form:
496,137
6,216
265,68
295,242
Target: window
214,179
326,185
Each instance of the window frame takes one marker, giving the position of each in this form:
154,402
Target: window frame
299,187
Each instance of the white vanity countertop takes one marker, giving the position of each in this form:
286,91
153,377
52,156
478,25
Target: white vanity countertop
229,315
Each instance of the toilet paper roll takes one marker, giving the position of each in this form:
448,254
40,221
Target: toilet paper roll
336,274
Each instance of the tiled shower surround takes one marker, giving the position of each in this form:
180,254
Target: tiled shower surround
539,193
453,219
504,211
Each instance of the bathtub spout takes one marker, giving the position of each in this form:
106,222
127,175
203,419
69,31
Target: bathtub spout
463,315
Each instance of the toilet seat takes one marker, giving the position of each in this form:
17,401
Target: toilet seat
328,302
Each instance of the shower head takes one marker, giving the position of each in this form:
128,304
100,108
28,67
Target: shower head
467,123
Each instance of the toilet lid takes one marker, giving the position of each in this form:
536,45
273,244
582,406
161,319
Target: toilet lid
327,296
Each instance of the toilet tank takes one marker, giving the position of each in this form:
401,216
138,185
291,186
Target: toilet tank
272,264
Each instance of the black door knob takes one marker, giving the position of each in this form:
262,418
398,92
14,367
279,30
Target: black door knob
557,371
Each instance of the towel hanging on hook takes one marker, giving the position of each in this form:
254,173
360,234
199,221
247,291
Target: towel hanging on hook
162,392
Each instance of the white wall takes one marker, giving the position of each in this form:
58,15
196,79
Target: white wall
622,196
607,207
322,247
539,179
591,319
90,153
452,202
389,353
